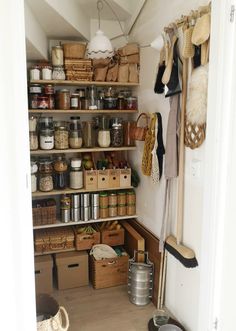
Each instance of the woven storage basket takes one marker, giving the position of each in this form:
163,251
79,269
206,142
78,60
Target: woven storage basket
84,65
74,50
139,132
44,212
79,75
47,240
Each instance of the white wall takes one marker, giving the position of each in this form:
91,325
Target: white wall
182,291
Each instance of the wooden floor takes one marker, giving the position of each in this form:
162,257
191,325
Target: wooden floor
103,310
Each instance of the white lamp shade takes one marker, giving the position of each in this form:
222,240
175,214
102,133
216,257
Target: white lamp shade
100,47
158,43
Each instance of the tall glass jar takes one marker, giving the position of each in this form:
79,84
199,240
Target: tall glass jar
34,169
88,134
33,136
92,97
45,175
57,56
104,137
76,174
61,135
116,132
75,135
46,123
60,173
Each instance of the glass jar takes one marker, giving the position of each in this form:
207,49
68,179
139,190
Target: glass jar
110,103
75,135
121,102
74,101
88,136
100,100
35,72
63,99
60,173
131,103
81,93
116,132
45,176
103,199
112,199
58,73
61,135
112,211
131,203
34,169
46,123
104,138
46,72
49,89
33,139
46,139
33,100
76,174
126,93
43,102
32,123
57,56
92,97
128,126
121,198
35,89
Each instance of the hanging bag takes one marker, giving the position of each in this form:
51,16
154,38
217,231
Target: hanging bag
148,147
138,132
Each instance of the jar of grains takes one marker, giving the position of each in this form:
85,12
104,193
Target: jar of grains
57,56
75,135
46,139
63,99
47,72
35,72
34,169
76,174
33,139
61,135
58,73
131,202
116,132
45,176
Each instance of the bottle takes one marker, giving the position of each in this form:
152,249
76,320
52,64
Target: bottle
76,174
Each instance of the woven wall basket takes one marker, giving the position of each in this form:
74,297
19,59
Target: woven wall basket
194,134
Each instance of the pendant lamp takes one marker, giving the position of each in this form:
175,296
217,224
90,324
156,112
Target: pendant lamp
100,46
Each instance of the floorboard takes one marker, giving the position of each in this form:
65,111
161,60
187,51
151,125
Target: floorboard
103,310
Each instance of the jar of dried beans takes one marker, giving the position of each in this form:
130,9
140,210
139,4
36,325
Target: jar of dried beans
45,176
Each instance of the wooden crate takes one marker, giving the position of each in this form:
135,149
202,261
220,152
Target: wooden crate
114,178
85,241
47,240
103,178
112,237
125,177
108,272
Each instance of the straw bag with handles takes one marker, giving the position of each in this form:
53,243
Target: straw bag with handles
139,132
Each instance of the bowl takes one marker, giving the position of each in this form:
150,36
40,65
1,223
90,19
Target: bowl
169,327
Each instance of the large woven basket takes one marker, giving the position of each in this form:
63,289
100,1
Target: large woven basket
74,50
44,212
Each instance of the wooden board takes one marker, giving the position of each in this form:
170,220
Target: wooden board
133,241
152,246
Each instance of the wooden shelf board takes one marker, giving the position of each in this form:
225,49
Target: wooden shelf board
81,83
52,252
81,150
71,191
84,111
60,224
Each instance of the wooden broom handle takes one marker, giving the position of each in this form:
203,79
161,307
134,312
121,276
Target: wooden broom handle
180,206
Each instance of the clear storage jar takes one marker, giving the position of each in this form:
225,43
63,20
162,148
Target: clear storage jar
33,138
76,174
58,73
34,169
117,133
104,138
57,56
45,176
63,99
61,136
46,139
60,173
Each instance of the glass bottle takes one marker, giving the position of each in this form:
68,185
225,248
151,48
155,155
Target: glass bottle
88,134
76,174
92,97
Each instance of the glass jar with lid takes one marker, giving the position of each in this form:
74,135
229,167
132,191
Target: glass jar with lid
57,56
45,175
76,174
58,73
34,169
60,173
35,72
63,99
131,103
81,93
88,134
74,101
75,134
116,132
35,91
46,123
33,139
46,72
61,135
46,139
92,97
104,137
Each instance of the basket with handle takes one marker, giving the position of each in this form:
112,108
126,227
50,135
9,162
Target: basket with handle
139,132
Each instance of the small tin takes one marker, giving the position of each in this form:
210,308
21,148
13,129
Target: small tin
95,199
85,200
85,214
75,214
75,201
95,213
65,215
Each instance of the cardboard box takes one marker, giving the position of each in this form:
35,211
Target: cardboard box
43,274
90,179
103,178
114,178
72,269
125,177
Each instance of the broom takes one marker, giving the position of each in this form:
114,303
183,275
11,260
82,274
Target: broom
173,245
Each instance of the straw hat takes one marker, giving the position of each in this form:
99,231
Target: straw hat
201,31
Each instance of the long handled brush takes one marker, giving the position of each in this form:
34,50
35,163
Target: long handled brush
173,245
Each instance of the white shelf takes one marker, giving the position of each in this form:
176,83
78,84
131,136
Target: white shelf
52,252
71,191
60,224
81,83
82,150
82,111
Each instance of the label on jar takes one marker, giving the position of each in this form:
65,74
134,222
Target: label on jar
46,142
74,102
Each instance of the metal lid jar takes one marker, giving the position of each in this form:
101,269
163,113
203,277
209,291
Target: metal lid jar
46,72
35,72
116,132
45,123
76,174
75,135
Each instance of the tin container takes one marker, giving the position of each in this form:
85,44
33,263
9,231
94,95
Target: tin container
65,215
85,214
95,212
85,199
75,215
75,201
95,199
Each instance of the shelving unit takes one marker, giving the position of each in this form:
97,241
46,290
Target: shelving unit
71,191
82,150
82,83
78,112
60,224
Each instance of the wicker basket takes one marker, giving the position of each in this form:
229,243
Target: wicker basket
74,50
47,240
79,75
84,65
44,212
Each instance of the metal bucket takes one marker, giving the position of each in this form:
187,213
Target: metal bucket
140,284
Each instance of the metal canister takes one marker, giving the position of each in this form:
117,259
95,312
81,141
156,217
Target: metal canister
95,212
75,201
85,199
65,215
95,199
85,214
75,214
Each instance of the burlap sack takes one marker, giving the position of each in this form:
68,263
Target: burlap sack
112,73
133,58
100,74
101,63
133,73
123,73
